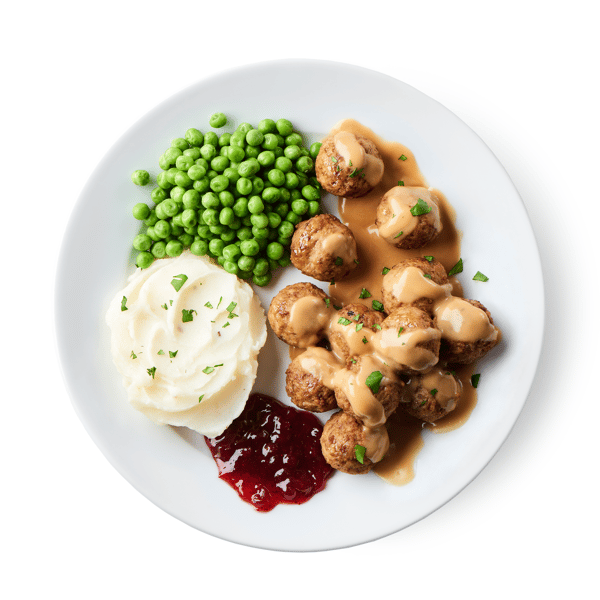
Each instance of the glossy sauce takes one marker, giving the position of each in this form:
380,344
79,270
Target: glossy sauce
271,454
375,254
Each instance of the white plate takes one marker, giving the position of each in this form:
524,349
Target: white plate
174,470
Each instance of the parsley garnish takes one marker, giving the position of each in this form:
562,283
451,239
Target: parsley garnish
359,326
231,306
420,208
400,331
208,370
479,276
397,236
133,355
123,303
200,398
457,268
402,157
208,305
178,281
359,452
364,293
173,354
364,340
373,381
334,159
339,261
164,306
433,392
475,379
161,352
401,183
187,315
428,258
385,270
377,305
344,321
227,324
327,302
427,275
377,326
220,300
151,372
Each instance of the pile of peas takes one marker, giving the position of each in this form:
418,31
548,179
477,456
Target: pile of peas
236,197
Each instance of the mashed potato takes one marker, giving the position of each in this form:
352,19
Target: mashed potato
185,336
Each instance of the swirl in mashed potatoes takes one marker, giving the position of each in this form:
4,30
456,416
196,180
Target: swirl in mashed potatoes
185,336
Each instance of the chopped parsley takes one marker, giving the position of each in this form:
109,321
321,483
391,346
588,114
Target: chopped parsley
364,293
220,300
427,275
377,326
334,159
475,379
231,307
359,326
403,157
428,258
178,281
339,261
359,452
187,315
208,305
200,398
327,302
398,235
401,183
364,340
161,352
344,321
479,276
433,392
377,305
420,208
227,324
133,354
173,354
385,270
123,303
164,306
373,381
151,372
400,331
457,268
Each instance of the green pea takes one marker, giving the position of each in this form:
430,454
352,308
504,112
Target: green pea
314,149
305,164
231,267
274,221
266,158
235,154
163,163
267,126
293,217
162,228
254,137
180,143
217,120
252,151
249,248
244,128
231,174
204,231
162,180
174,248
310,192
228,235
244,186
270,141
226,216
202,185
158,195
190,199
142,242
152,234
140,177
151,219
217,229
170,155
182,179
300,207
261,221
282,209
210,137
219,163
283,164
144,259
261,267
210,217
255,205
260,234
314,208
224,139
275,250
159,249
246,263
231,252
262,280
292,152
216,246
141,211
219,183
291,181
240,208
284,261
177,193
286,229
186,239
293,139
199,247
189,217
271,195
193,153
208,152
249,167
194,137
238,139
284,127
184,162
276,177
258,185
244,233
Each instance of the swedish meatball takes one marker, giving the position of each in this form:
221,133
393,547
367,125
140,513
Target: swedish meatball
308,380
408,217
348,165
355,394
432,395
324,248
408,340
468,331
344,438
299,314
352,329
414,282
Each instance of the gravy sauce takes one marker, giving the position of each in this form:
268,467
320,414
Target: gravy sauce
375,254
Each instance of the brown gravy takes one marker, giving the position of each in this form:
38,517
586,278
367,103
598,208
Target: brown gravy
374,254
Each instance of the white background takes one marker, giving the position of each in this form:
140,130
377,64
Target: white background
523,74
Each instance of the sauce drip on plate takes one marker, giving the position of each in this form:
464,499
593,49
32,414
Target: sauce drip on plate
271,454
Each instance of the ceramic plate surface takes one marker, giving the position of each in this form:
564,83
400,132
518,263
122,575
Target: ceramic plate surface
173,468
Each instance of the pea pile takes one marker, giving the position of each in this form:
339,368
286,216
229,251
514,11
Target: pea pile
236,197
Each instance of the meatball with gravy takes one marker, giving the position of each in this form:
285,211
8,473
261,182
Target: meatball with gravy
431,396
344,438
415,282
468,331
352,330
324,248
408,217
299,314
348,165
408,340
309,380
368,389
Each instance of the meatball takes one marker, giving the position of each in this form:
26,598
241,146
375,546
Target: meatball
348,165
308,380
431,396
408,340
388,395
351,329
422,295
324,248
343,435
408,217
299,314
467,351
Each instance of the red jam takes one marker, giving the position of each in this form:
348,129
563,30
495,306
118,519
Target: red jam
271,454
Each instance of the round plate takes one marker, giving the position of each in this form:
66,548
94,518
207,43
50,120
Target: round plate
172,467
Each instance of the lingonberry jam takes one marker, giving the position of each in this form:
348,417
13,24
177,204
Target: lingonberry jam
271,454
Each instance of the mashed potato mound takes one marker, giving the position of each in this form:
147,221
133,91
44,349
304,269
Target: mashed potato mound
185,336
